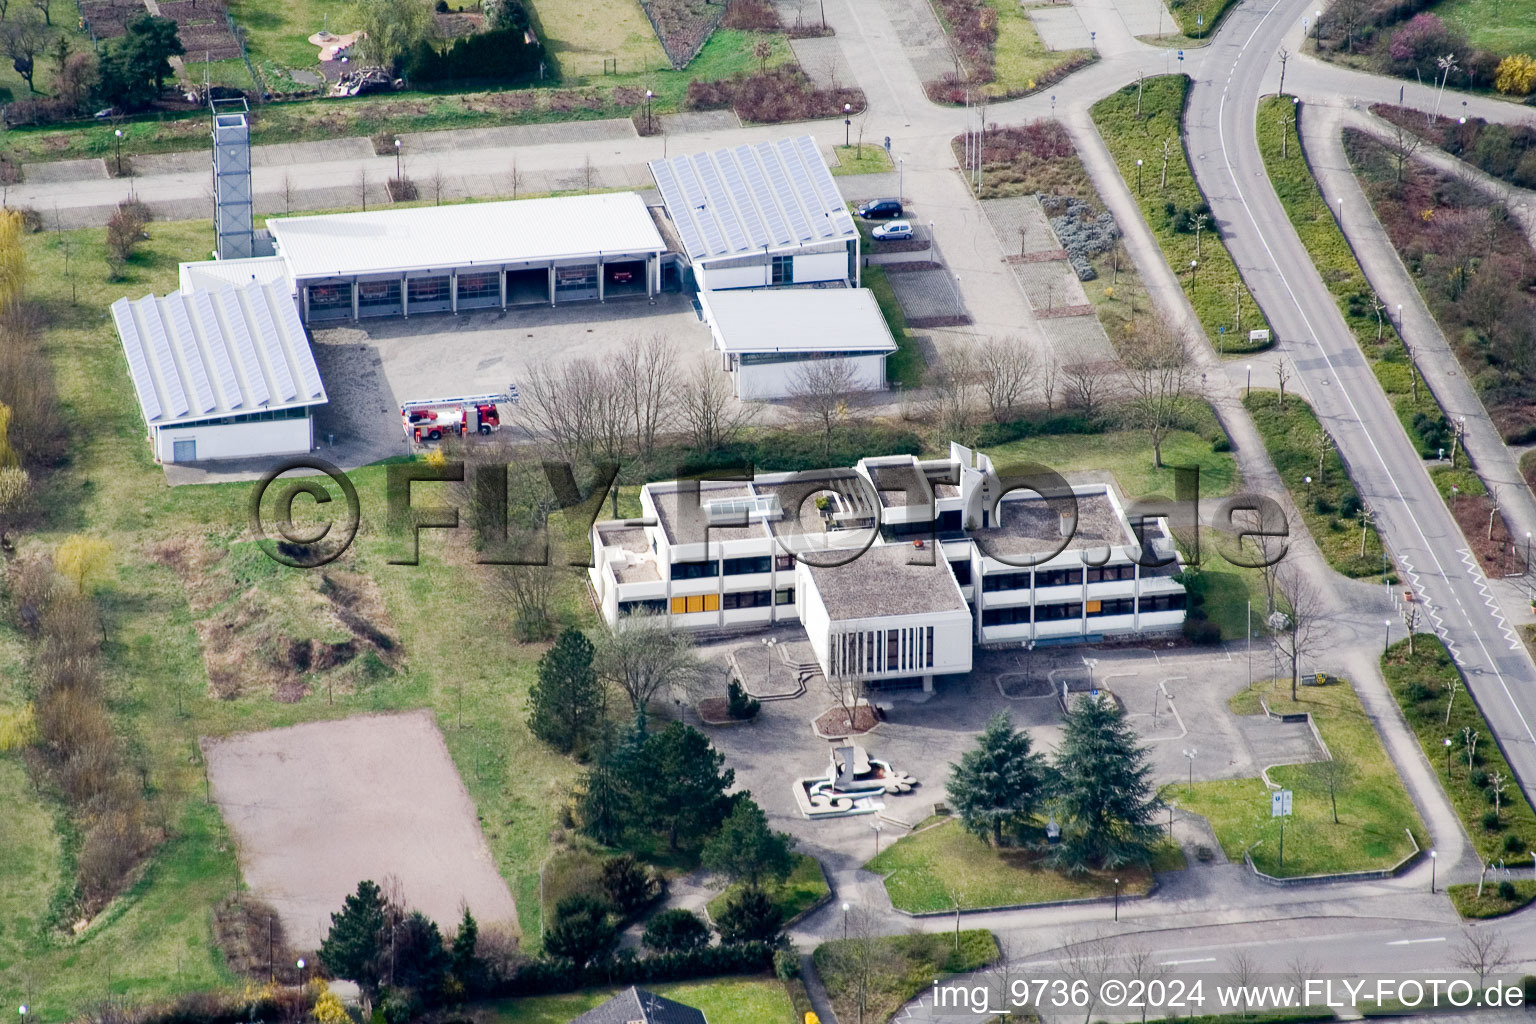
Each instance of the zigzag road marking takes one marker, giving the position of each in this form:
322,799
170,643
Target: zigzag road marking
1481,579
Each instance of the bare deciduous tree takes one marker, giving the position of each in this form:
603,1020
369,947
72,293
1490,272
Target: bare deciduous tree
515,179
1087,387
1159,375
436,182
1329,777
953,386
1305,630
647,373
709,411
645,653
1482,951
362,187
819,391
1141,964
1403,145
1007,368
861,958
848,691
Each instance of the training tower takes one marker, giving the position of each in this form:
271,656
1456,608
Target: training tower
232,196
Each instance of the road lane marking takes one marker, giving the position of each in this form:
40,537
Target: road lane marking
1414,942
1175,963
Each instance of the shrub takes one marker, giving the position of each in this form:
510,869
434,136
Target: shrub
675,930
749,916
1514,844
582,932
124,232
739,705
1491,821
1201,631
1480,779
501,55
628,884
1507,891
751,16
786,964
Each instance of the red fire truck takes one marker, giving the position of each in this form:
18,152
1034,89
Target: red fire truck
433,419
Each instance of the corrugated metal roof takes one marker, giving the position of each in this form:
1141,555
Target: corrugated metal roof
213,273
798,320
217,352
471,234
733,201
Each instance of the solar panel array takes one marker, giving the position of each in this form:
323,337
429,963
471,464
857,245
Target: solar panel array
732,201
180,345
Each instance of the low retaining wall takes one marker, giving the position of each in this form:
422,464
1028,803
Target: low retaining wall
1347,876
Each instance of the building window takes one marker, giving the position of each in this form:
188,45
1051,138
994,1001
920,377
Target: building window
696,603
427,289
378,293
1005,616
1164,603
928,648
479,286
784,595
1003,580
695,570
783,563
1058,577
783,270
741,566
328,298
949,523
962,571
1058,612
746,599
576,279
1117,606
657,605
1111,573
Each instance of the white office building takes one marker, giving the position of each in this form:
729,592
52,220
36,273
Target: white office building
895,567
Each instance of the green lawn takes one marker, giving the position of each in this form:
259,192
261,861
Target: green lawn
1021,63
1503,26
1197,18
157,939
920,869
869,158
749,1000
727,52
805,887
904,367
1318,228
1291,436
1490,904
1419,682
903,966
1218,293
582,35
1374,809
1128,455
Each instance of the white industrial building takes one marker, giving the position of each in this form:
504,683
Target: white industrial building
895,567
437,259
761,215
767,337
221,372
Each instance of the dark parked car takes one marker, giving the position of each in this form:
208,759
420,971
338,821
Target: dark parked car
880,209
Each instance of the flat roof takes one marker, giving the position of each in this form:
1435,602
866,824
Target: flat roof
882,581
217,352
469,234
799,320
1029,525
684,522
214,273
734,201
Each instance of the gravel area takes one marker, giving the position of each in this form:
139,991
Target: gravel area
1060,28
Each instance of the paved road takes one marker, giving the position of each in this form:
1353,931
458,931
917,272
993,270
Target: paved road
1387,470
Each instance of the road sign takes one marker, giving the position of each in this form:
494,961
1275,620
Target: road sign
1280,803
887,145
1258,335
1181,55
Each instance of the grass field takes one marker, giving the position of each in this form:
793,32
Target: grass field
747,1000
921,869
1197,18
582,35
903,965
156,940
1503,26
1469,904
1374,810
805,887
1020,60
1291,436
1419,682
870,158
1219,297
904,367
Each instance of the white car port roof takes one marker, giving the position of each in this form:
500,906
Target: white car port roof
735,201
470,234
217,352
798,320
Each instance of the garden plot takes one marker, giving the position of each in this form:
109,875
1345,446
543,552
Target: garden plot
317,808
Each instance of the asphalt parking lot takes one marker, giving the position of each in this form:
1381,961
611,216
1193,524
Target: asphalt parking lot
371,367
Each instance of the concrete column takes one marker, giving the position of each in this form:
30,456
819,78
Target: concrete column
405,295
600,279
928,683
453,290
652,265
306,303
501,276
551,284
354,298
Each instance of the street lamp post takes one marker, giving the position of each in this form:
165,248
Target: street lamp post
769,643
1190,752
1193,265
1117,899
300,965
1447,757
1308,481
1172,806
119,143
845,922
847,124
1434,858
875,827
1387,643
649,95
397,159
1249,390
1138,176
1341,212
1318,26
901,176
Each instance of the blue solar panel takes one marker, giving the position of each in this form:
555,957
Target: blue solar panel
721,202
821,180
277,360
799,229
745,199
776,228
160,352
138,362
191,357
288,313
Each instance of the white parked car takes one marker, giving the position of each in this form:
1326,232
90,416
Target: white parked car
893,231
